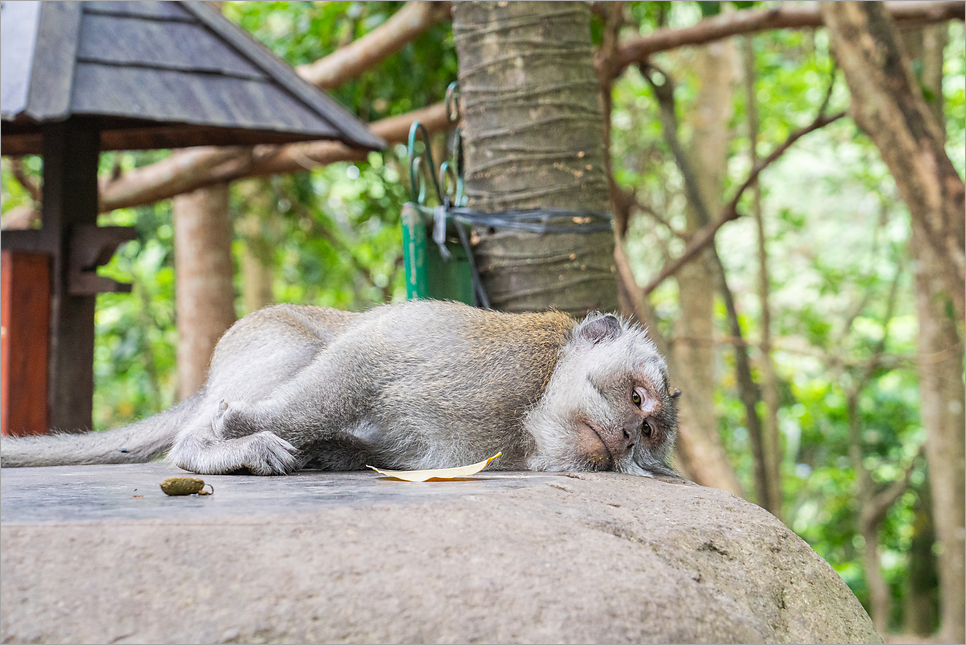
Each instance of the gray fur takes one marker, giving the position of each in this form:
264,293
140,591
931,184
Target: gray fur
415,385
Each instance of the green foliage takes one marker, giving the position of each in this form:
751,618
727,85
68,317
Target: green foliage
302,32
324,226
136,337
14,195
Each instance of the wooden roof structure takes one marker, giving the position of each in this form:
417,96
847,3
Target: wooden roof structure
154,75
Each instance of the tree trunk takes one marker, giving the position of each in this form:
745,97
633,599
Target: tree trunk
941,409
888,105
696,281
920,609
203,267
868,521
533,137
256,265
879,598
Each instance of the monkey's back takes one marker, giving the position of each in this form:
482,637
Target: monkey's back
447,370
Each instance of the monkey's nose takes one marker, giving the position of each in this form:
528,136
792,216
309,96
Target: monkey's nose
627,441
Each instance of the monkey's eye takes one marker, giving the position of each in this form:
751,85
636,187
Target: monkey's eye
646,429
636,398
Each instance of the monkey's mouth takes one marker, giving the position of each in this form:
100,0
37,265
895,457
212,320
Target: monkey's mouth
595,449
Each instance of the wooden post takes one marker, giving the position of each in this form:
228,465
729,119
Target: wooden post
24,336
69,203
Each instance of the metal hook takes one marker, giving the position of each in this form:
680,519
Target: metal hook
448,183
417,174
453,102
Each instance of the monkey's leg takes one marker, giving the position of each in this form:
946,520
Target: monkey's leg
200,448
314,408
259,357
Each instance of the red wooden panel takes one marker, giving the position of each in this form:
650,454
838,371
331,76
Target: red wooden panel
25,332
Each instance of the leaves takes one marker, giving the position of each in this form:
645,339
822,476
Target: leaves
438,474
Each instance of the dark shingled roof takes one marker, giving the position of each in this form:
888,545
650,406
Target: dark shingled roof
154,75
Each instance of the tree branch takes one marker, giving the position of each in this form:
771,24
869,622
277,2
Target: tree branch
179,173
874,510
296,157
790,16
198,167
705,236
371,49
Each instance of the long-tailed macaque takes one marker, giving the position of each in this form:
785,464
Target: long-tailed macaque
416,385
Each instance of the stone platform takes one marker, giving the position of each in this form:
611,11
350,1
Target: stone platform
100,554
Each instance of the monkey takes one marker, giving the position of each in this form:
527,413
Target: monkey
416,385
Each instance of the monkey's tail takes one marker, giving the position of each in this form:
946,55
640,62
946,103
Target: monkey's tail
132,444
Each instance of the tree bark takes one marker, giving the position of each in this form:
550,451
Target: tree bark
533,137
205,295
921,607
888,105
879,597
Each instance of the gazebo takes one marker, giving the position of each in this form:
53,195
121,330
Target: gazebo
81,77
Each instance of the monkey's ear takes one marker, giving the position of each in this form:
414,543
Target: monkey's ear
597,328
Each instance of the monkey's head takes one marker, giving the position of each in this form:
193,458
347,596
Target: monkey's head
607,405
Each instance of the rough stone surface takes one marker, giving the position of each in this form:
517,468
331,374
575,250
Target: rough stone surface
322,557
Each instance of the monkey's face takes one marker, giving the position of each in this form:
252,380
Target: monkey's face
628,410
607,406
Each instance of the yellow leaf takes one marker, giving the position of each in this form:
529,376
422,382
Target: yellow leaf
439,474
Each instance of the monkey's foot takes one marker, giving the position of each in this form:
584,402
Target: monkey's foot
263,453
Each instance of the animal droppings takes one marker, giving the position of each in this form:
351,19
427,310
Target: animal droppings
185,486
